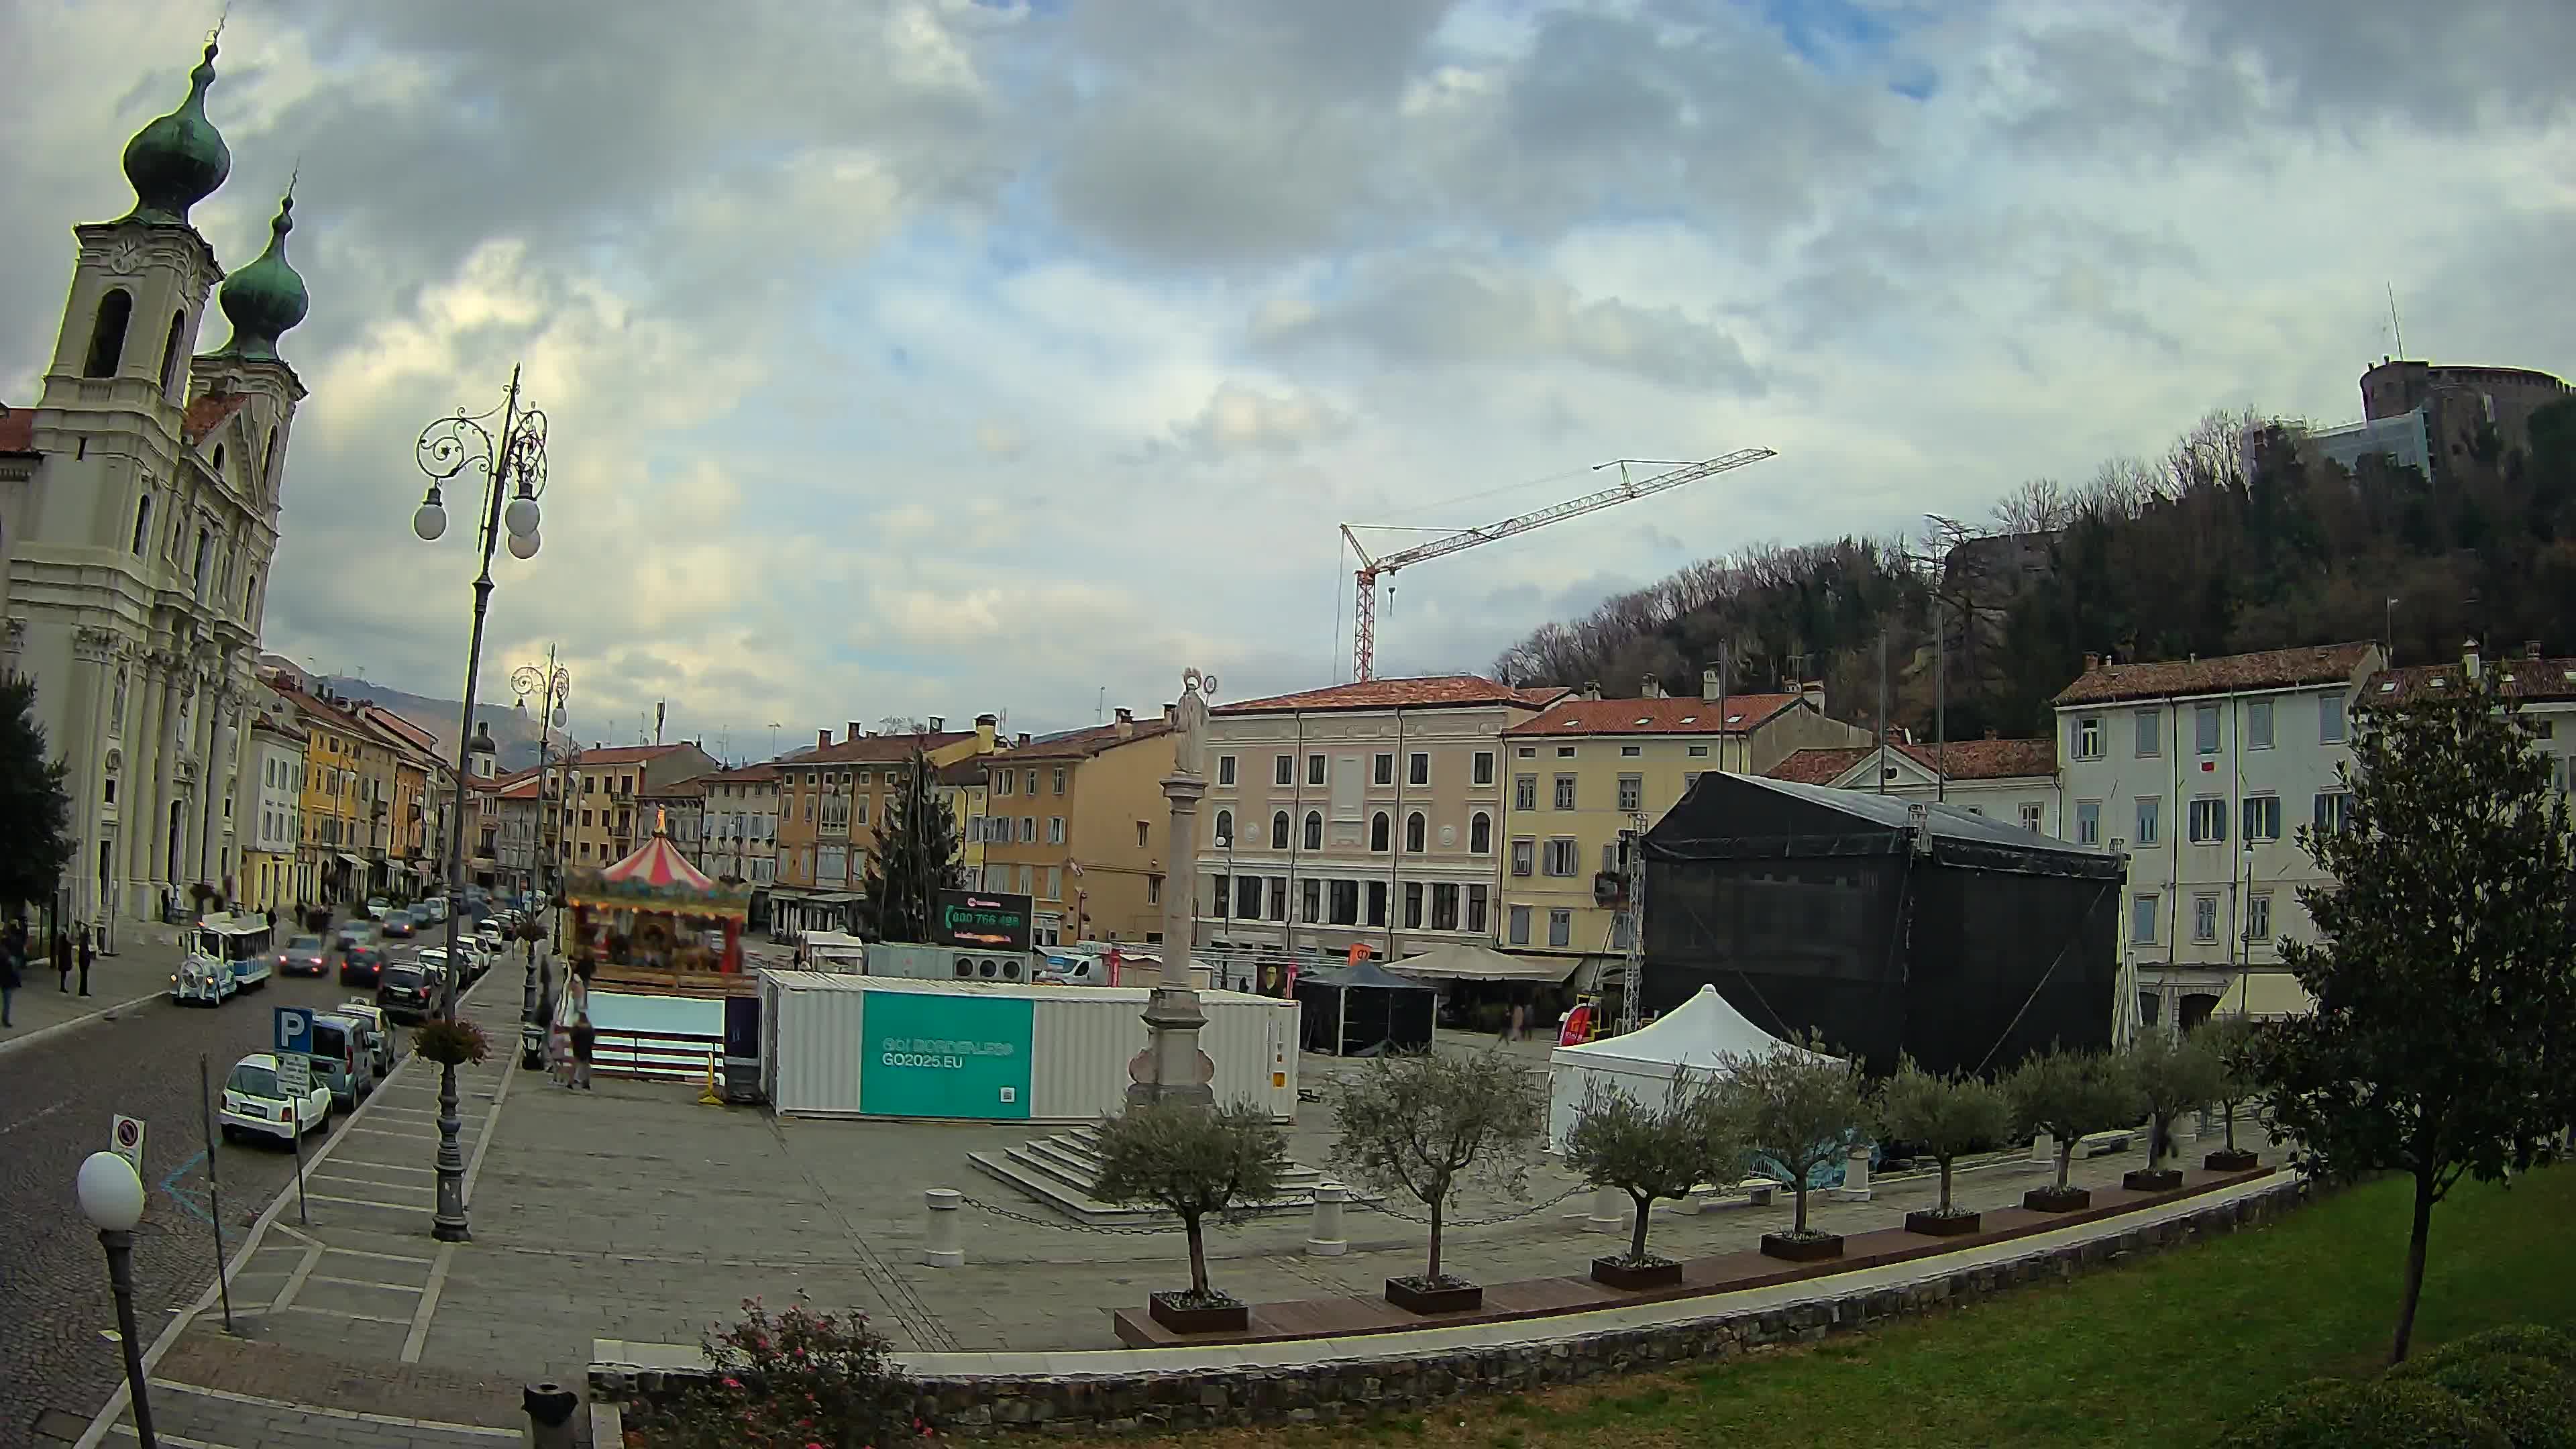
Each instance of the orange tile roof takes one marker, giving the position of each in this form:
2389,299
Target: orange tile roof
1083,744
1428,692
622,754
2521,678
868,749
746,775
2226,674
17,430
1654,716
1962,759
208,413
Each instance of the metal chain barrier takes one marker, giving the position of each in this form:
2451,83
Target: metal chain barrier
1140,1231
1447,1223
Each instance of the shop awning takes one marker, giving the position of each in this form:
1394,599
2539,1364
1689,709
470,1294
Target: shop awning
1469,962
357,861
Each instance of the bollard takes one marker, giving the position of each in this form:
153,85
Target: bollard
549,1407
2043,1150
945,1247
1609,1212
1324,1237
1855,1186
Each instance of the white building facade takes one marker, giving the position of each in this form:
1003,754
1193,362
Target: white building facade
141,516
277,813
2009,780
2202,772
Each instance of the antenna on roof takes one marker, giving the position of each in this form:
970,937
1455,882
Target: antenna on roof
2395,328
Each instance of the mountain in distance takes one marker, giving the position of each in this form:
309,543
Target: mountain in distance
514,730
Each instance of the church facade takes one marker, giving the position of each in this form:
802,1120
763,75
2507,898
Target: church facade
139,507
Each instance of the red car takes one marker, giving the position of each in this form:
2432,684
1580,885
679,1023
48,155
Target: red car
361,966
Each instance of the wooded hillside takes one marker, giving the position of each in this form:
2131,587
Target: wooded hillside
2201,551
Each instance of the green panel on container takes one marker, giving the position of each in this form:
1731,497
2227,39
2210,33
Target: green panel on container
934,1055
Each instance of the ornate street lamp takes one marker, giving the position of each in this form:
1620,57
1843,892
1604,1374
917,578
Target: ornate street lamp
515,460
552,686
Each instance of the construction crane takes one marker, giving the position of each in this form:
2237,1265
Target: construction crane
1364,620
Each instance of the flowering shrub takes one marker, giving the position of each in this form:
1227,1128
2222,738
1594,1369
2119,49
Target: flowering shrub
795,1379
451,1043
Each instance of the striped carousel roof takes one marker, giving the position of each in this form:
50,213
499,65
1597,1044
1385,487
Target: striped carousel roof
658,865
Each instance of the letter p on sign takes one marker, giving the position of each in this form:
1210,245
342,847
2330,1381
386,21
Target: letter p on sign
294,1029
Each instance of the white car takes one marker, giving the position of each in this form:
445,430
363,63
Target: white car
254,1103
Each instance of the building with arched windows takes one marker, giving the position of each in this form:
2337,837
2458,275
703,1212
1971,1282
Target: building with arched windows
139,504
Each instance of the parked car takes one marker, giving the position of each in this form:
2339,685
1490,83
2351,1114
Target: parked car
380,1032
303,956
398,926
256,1105
407,992
434,961
342,1060
362,965
494,939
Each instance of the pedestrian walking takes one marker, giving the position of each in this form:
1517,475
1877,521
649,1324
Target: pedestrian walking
63,959
9,959
583,1040
88,954
1520,1021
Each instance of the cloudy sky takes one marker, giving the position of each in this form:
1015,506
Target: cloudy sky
936,356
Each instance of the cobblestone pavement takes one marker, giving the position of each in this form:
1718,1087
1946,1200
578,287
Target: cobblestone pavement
57,1093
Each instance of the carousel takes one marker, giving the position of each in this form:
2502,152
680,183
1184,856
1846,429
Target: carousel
654,915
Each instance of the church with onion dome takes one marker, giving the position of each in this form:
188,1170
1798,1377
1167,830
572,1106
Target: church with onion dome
139,504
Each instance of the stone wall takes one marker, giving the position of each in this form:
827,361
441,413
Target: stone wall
1355,1388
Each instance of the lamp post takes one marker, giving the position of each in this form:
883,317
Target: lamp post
111,1197
447,448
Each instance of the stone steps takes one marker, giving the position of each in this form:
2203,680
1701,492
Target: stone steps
1063,1172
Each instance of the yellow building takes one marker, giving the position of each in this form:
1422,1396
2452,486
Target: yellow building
1581,771
1079,822
331,866
964,788
832,798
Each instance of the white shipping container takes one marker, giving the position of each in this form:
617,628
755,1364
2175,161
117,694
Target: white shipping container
1082,1039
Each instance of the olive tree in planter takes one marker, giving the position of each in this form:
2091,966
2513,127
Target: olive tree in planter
2068,1094
1428,1127
1193,1164
1651,1153
2231,1042
1800,1107
1947,1117
2173,1077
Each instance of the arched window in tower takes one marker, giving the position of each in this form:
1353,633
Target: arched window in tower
116,709
170,353
1225,827
142,524
1413,832
205,554
219,460
1480,834
107,333
268,466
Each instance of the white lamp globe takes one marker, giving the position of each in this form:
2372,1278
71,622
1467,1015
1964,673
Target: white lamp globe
523,545
521,516
111,1196
429,520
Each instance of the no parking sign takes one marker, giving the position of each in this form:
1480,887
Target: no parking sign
125,1139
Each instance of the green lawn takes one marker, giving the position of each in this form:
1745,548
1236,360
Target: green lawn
2161,1352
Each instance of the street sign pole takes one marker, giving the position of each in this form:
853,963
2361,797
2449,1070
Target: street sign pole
214,1189
295,1076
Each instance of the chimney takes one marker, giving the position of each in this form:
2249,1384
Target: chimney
2469,660
1592,689
1650,688
1126,724
1023,741
986,727
1709,688
939,724
1171,715
2092,661
856,732
822,739
2530,648
1814,691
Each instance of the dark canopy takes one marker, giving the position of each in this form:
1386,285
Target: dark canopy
1364,1010
1888,925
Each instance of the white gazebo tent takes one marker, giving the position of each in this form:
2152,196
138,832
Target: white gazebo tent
1695,1036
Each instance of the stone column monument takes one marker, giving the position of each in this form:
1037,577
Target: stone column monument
1171,1068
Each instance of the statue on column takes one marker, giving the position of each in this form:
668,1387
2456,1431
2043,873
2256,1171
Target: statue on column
1189,723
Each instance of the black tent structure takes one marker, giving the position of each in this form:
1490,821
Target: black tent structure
1364,1010
1888,925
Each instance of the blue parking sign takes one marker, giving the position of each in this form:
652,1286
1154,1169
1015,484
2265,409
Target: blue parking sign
294,1029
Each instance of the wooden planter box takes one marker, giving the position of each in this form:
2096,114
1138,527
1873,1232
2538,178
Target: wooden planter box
2237,1160
1802,1250
2057,1200
1636,1277
1450,1297
2152,1179
1199,1318
1942,1225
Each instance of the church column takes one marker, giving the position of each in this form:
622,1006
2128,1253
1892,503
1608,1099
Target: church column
141,807
213,763
178,698
85,748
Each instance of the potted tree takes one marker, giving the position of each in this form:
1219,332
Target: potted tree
1946,1117
2068,1094
2173,1077
1427,1127
1651,1153
1193,1163
2231,1042
1800,1106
